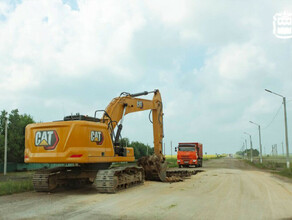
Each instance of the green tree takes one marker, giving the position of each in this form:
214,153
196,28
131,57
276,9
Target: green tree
255,152
125,142
16,135
140,149
240,153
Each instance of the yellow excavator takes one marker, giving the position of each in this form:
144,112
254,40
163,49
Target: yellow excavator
90,145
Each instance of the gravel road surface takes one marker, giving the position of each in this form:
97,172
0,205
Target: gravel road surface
228,189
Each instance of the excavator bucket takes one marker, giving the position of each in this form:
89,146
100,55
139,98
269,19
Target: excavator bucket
154,168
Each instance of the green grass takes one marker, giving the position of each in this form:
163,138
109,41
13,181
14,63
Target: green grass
22,173
172,206
269,163
286,172
171,162
274,165
10,187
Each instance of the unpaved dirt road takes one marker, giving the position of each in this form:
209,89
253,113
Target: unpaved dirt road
228,189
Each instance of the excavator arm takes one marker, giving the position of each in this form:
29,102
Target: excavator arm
128,103
154,166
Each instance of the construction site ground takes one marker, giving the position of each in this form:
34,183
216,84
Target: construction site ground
227,189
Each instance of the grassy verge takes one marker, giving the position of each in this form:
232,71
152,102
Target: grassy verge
273,166
10,186
171,162
286,172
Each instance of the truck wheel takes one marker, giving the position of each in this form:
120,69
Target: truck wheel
179,166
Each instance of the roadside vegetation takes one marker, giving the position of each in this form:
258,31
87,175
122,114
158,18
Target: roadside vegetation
16,129
15,182
172,161
140,149
275,164
10,187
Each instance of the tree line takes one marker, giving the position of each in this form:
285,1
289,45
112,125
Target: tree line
140,149
247,152
16,132
16,138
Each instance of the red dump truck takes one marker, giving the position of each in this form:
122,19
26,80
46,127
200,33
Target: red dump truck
189,154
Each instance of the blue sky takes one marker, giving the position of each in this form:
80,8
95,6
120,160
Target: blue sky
211,61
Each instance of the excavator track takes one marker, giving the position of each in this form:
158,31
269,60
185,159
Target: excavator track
45,180
116,179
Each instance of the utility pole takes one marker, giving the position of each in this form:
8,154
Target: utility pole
246,148
283,149
5,147
286,126
260,141
251,158
171,148
242,149
286,133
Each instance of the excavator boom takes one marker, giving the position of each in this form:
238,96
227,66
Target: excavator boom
123,105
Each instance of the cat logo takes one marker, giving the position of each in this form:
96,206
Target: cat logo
46,139
97,137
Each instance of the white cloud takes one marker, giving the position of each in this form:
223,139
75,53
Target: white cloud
210,60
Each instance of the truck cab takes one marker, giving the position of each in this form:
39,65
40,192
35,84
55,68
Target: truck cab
190,154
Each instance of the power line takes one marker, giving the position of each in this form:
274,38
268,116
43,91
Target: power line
273,117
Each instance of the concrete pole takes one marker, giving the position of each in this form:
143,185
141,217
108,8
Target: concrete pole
286,126
251,158
246,148
5,147
260,141
286,133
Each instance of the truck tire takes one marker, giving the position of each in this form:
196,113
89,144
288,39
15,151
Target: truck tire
200,163
179,166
